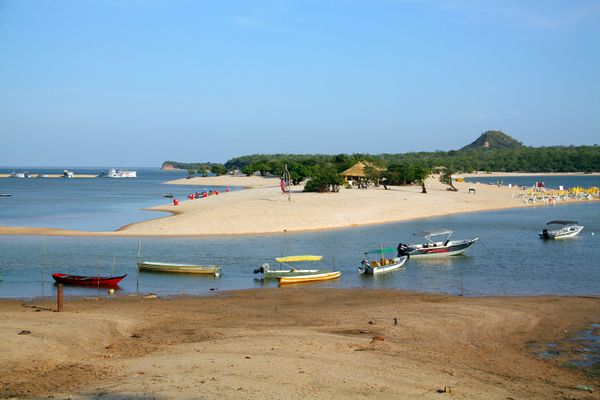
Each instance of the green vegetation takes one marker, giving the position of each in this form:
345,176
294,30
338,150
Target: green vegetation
492,151
324,179
446,178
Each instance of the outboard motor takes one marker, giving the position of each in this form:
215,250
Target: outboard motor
402,250
545,234
262,269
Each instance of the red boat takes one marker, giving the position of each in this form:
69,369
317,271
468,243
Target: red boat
88,280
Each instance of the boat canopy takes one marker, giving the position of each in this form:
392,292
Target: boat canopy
562,222
381,250
436,233
298,258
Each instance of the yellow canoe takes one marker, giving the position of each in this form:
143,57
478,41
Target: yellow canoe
286,280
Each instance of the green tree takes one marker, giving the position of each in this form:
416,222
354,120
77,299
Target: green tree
446,179
219,169
420,174
249,169
373,175
298,172
324,179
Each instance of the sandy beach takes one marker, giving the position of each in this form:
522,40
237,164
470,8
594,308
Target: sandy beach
292,343
263,208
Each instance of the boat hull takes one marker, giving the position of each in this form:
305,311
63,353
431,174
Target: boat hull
561,233
396,264
180,268
287,280
289,272
440,249
81,280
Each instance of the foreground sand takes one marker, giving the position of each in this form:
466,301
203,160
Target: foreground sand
292,343
265,209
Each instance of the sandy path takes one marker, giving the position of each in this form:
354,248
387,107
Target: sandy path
292,343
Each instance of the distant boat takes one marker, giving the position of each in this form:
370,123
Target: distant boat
563,230
5,194
286,280
118,173
88,280
168,195
18,174
434,248
68,174
152,266
289,270
383,264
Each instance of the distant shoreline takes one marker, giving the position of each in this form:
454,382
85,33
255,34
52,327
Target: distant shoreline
515,174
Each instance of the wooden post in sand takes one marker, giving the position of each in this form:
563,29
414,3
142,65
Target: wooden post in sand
59,297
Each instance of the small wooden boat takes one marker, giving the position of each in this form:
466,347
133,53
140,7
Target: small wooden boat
383,264
152,266
88,280
286,280
289,269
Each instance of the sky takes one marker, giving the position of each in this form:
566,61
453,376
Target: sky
137,82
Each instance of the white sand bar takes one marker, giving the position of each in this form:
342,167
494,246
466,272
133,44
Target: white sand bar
264,208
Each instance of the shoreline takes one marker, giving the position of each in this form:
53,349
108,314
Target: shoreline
263,209
326,343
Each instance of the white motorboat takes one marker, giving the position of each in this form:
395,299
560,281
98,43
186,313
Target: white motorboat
432,248
288,267
118,173
560,229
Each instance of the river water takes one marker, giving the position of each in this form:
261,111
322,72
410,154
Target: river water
509,259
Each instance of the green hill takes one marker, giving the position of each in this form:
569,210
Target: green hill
494,140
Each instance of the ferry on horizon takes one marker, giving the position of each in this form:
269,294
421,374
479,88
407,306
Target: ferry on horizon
118,173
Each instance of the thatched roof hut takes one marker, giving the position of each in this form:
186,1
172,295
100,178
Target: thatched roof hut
358,170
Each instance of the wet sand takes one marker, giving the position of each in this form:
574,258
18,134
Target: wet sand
292,343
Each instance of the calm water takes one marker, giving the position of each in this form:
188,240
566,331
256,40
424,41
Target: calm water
550,181
509,259
86,204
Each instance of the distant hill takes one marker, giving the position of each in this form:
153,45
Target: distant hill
492,151
494,140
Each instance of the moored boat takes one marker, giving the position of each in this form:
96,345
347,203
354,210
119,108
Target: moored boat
564,230
285,269
118,173
325,276
432,248
5,194
18,174
88,280
152,266
382,264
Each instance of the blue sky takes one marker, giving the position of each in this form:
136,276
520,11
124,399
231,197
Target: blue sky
137,82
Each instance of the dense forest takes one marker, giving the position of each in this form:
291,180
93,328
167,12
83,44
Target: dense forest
492,151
